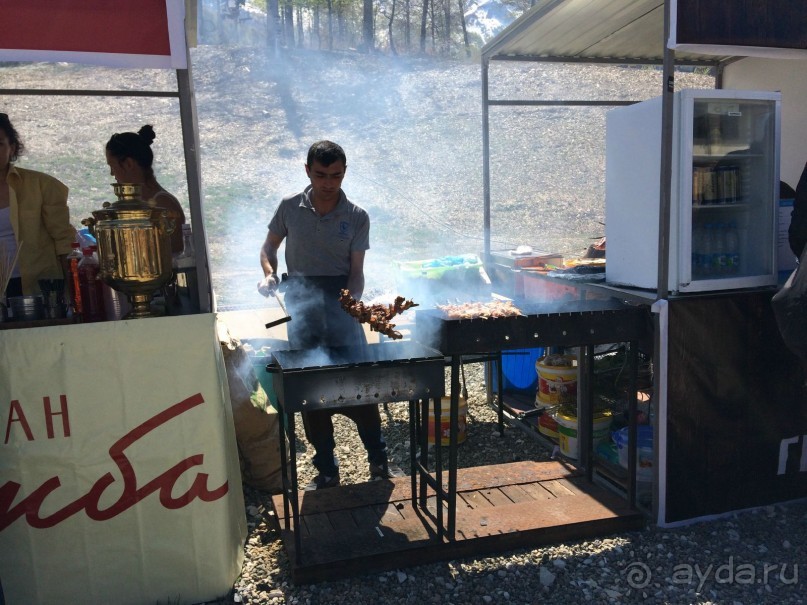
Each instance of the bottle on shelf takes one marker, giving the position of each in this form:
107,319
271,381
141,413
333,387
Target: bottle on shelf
707,248
73,282
185,296
187,257
90,287
697,251
732,249
719,262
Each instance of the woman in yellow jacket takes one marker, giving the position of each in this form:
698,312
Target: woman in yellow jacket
34,218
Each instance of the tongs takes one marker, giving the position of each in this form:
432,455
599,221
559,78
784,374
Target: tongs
286,317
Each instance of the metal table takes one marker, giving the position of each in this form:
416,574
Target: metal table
583,323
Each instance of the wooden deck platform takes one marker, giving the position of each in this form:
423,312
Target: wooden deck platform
372,527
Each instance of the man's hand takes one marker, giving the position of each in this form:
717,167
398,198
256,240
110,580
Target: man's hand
268,285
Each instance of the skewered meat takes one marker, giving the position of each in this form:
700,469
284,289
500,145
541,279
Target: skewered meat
480,310
377,316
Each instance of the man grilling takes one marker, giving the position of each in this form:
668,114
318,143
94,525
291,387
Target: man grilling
326,240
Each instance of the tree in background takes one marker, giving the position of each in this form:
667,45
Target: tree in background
389,29
368,31
288,23
424,18
350,24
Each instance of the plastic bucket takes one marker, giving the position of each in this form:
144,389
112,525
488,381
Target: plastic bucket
547,425
518,370
644,450
556,383
567,431
445,420
260,356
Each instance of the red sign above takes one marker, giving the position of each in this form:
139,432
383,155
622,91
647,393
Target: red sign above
88,26
141,33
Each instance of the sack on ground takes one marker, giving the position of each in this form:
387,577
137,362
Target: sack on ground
257,425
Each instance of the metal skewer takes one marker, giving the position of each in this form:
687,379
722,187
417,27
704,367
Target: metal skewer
283,319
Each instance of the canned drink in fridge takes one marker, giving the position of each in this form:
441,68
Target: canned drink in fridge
697,186
727,184
709,185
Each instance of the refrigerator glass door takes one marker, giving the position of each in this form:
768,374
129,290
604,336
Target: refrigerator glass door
728,189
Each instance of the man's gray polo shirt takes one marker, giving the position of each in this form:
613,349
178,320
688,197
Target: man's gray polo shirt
320,245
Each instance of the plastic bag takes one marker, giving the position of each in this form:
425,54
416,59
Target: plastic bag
257,424
790,309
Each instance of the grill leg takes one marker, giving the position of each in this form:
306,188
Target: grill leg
284,464
495,365
295,502
452,445
500,393
413,443
585,413
424,448
633,357
438,466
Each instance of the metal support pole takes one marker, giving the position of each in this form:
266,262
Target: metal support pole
190,139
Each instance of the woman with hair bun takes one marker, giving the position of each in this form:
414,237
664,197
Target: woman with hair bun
131,160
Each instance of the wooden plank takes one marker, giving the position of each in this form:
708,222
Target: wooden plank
317,524
369,517
516,493
342,521
513,473
537,491
496,497
431,507
573,484
405,508
475,500
394,512
558,489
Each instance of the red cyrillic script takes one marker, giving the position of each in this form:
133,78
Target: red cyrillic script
17,414
30,506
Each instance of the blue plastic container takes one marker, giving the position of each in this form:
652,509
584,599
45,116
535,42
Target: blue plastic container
518,370
644,450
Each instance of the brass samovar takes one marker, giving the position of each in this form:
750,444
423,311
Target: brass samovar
134,247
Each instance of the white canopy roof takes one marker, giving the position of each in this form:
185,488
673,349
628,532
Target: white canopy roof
607,31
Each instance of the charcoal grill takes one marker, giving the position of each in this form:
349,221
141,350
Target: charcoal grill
348,376
566,323
583,323
334,378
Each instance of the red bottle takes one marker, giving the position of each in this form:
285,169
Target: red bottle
90,287
73,259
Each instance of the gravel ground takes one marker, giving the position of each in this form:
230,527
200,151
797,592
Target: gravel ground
747,558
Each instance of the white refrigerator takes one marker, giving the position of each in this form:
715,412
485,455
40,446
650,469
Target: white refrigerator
724,198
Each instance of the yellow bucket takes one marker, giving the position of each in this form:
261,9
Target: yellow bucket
445,420
567,430
556,383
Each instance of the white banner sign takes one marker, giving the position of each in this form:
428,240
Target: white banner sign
119,475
